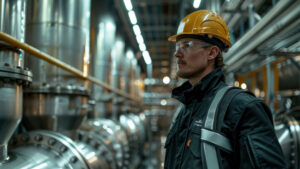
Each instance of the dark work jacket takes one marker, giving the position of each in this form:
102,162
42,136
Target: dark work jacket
247,124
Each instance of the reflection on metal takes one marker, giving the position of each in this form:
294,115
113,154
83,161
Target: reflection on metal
56,97
103,30
124,140
44,149
13,76
98,144
288,132
35,52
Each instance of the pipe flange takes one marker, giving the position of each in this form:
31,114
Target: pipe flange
16,75
63,89
294,127
62,145
98,145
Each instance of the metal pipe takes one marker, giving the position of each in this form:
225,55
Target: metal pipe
258,27
251,44
34,51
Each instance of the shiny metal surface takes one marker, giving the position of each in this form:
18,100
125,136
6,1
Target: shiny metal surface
104,27
287,129
136,134
61,29
277,20
117,55
44,149
12,18
60,112
113,136
12,81
95,151
12,22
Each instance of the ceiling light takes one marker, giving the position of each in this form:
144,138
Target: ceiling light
142,47
136,30
132,17
196,3
244,86
147,57
128,4
166,80
129,54
139,39
163,102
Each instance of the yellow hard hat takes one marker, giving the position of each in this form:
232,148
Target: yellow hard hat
203,23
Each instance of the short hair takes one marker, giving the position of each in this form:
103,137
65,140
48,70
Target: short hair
219,60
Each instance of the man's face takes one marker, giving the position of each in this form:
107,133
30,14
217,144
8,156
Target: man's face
192,57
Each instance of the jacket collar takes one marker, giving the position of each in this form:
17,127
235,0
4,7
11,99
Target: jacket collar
186,92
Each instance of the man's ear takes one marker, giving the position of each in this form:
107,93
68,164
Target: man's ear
213,52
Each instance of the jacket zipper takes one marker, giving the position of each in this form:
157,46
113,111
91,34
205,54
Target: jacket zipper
186,136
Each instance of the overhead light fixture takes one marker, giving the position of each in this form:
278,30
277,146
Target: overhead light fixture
132,17
142,47
136,29
128,4
166,80
147,57
163,102
196,3
129,54
139,39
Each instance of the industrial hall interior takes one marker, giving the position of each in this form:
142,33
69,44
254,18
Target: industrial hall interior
87,84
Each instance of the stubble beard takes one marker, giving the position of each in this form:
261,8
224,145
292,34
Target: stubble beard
189,75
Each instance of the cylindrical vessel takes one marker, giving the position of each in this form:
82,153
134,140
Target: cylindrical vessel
103,30
12,74
61,29
57,100
12,22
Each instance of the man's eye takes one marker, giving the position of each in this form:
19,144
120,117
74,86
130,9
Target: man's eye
186,45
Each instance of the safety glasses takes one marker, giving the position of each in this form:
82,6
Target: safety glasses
186,46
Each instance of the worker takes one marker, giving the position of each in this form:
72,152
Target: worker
218,127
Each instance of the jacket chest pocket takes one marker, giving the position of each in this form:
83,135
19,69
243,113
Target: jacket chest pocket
194,143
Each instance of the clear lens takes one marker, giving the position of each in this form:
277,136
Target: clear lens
184,46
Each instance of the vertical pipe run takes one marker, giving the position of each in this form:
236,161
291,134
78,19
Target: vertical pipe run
251,15
3,153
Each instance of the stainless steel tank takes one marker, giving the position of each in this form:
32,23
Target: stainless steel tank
13,76
103,30
57,99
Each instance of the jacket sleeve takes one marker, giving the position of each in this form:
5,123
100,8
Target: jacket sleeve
257,144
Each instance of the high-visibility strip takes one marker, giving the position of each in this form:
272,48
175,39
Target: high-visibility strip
216,139
210,153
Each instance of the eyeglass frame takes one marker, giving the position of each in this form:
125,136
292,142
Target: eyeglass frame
192,44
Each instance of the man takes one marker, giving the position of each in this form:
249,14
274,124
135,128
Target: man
244,136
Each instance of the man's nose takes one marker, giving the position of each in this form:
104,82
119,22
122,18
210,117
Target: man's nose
178,53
